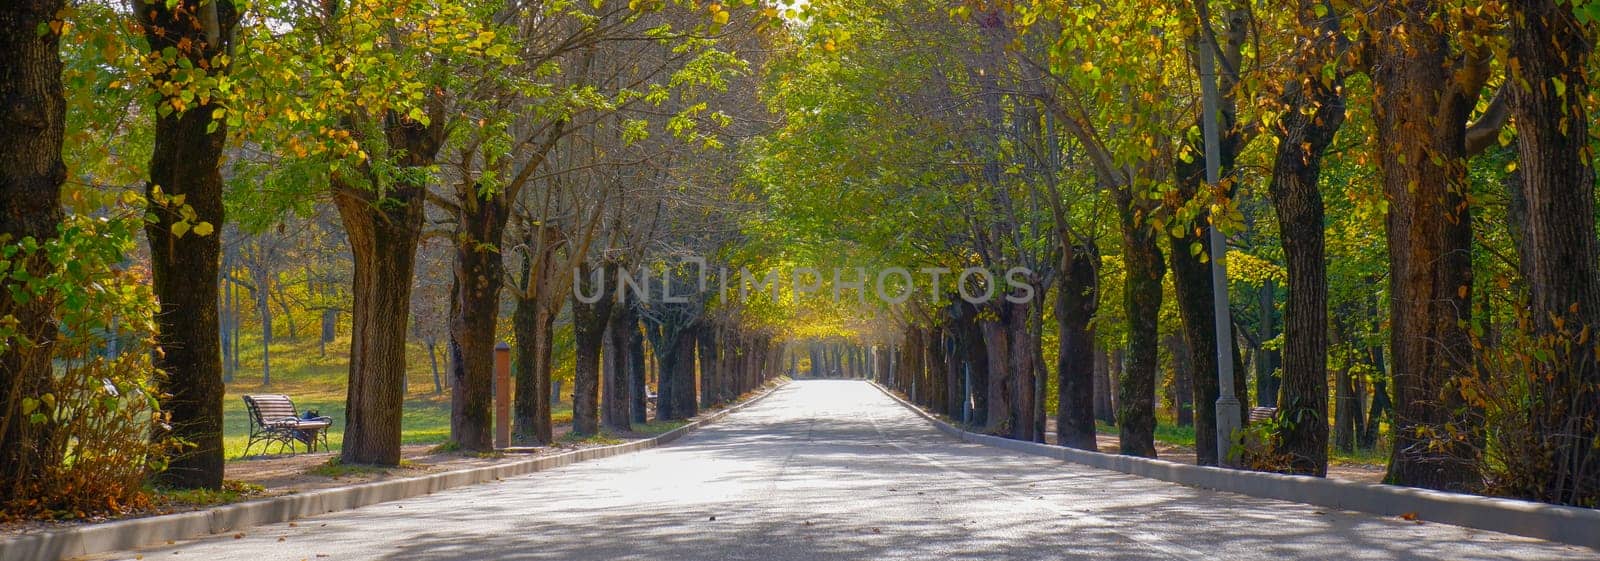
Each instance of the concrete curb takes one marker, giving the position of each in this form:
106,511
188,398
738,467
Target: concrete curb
1564,524
128,534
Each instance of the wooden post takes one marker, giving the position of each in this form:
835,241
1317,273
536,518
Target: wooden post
502,395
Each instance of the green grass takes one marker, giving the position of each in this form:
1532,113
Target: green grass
654,428
317,383
1169,433
335,468
1166,433
231,492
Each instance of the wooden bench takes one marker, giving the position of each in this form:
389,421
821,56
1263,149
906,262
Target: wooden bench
273,420
1258,414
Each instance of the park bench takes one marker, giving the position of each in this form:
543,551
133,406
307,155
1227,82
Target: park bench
1258,414
273,420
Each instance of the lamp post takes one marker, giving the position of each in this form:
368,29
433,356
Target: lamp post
1227,404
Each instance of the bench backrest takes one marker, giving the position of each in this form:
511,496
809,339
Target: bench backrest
1258,414
265,407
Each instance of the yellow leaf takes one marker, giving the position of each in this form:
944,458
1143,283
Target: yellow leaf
203,229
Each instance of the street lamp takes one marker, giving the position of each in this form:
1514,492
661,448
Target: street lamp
1227,404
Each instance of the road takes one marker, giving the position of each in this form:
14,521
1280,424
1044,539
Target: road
836,470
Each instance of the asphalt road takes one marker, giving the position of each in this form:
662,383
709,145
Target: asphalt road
836,470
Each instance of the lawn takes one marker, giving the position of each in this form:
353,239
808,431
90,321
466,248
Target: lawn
1169,433
317,383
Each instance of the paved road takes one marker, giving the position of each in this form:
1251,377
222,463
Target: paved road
836,470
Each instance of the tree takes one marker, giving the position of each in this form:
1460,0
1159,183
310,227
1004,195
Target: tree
1425,92
1313,110
1548,84
32,126
1076,301
361,96
192,42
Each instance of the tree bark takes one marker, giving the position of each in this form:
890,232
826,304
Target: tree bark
637,364
676,393
1181,388
713,374
532,321
1562,265
1103,411
479,275
1420,109
32,126
383,242
997,347
1314,111
1077,299
185,161
1267,381
616,397
938,379
1024,376
1136,391
589,331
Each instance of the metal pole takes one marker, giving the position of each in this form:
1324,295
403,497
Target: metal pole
1227,404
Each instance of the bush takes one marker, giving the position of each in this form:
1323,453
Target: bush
1540,416
93,422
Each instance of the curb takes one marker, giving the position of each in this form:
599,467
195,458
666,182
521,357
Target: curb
121,535
1563,524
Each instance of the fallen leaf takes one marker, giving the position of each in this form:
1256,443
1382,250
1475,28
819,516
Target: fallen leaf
1409,516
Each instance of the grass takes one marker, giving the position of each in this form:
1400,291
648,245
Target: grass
1168,432
335,468
317,383
231,492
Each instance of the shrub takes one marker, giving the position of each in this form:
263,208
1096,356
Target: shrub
1540,416
93,422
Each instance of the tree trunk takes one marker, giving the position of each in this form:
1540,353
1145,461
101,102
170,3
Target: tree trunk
938,379
1346,407
1558,181
589,331
185,161
1267,381
713,375
616,394
531,323
228,318
1023,375
1103,411
637,364
1181,388
433,363
32,125
676,395
383,242
998,354
1314,111
264,312
479,274
1136,390
1077,299
1420,109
